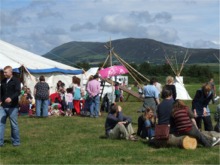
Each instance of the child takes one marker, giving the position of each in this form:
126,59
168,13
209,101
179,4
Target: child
62,96
29,97
69,101
56,110
117,92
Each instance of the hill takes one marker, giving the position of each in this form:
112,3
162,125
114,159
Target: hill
130,49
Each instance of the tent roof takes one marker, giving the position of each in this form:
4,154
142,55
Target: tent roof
17,57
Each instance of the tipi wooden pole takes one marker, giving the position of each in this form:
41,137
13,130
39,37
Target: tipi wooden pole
128,72
131,67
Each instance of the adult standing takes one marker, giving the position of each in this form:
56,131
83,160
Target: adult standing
93,89
200,107
169,85
151,95
10,91
60,84
213,89
42,92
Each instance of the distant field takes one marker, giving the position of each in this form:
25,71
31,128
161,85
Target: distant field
76,140
215,67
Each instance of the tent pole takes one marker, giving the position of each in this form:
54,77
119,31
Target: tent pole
184,61
128,70
131,67
105,61
218,58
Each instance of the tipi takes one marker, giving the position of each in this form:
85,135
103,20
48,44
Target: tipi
181,91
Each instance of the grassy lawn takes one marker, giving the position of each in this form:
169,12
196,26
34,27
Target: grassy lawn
76,140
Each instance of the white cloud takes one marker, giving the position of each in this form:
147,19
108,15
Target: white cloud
80,27
40,25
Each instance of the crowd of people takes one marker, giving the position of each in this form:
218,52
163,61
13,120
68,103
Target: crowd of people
76,100
181,119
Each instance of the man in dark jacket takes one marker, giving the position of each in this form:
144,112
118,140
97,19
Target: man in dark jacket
10,90
200,107
118,126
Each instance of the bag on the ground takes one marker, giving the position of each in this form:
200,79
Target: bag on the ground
162,131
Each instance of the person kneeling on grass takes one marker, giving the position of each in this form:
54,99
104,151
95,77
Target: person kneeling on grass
118,126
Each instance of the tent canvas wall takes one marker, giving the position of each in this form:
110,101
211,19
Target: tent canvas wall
181,92
31,66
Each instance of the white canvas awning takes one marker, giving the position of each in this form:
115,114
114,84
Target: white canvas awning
35,65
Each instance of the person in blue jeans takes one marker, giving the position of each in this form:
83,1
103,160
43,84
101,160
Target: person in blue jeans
42,92
146,124
93,89
10,91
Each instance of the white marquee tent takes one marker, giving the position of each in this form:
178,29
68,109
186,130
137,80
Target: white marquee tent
32,66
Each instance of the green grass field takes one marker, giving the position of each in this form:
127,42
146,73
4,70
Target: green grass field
76,140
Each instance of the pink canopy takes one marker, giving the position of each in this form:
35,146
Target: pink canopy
113,71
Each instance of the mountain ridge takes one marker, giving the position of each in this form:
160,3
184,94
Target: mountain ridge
132,50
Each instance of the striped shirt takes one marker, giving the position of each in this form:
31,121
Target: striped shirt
182,120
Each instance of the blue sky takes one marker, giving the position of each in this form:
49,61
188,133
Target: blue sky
40,25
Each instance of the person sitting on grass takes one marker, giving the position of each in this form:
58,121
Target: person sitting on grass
24,105
164,109
186,125
146,124
118,126
56,109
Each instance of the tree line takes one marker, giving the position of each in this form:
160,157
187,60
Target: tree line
192,73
